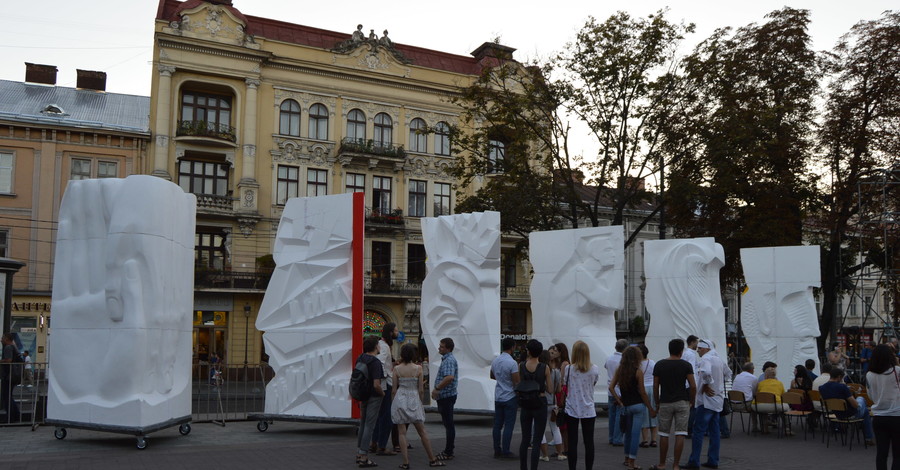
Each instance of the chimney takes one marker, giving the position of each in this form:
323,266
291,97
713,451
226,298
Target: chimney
493,50
37,73
91,80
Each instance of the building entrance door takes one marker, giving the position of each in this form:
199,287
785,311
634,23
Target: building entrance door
208,341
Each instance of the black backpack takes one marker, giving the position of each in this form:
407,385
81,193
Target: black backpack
360,384
529,389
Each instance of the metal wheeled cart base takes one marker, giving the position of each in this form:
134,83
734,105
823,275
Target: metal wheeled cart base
141,432
264,420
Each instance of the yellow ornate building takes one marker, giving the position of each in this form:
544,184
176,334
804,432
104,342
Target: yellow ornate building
247,112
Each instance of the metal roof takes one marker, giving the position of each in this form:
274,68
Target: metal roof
29,102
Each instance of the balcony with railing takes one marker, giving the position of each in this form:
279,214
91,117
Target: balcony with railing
393,286
390,219
214,204
232,280
515,293
206,132
372,149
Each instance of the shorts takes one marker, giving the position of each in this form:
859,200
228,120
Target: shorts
676,413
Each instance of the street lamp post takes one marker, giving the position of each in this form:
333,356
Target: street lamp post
246,337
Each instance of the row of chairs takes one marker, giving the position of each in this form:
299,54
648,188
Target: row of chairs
827,413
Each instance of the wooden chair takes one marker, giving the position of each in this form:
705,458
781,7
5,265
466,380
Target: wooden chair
793,398
834,408
740,405
765,398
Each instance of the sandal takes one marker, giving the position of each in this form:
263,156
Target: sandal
404,466
385,453
652,443
367,463
436,463
644,444
443,456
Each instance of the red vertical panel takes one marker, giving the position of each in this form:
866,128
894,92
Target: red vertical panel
357,283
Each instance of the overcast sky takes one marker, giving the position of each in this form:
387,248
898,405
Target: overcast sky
116,36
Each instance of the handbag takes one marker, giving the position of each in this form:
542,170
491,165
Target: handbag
726,407
560,415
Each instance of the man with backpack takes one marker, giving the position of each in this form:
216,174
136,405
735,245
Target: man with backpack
365,386
10,376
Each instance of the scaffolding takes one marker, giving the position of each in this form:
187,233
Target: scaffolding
877,234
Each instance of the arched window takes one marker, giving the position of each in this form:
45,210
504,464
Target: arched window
417,137
290,118
384,128
373,323
442,139
496,156
356,125
318,122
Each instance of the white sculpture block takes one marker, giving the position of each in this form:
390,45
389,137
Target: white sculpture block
307,313
122,303
778,314
461,299
578,284
683,295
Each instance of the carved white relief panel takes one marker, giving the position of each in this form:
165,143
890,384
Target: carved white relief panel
122,303
306,314
683,294
461,299
578,284
778,312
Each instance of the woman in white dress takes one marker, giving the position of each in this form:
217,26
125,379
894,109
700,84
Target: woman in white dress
406,407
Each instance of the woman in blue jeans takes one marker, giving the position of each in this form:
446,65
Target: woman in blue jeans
633,399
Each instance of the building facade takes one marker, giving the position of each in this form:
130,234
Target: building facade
248,112
50,135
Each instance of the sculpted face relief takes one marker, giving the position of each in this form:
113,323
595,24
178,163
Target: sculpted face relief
778,311
683,295
122,303
461,299
578,284
307,311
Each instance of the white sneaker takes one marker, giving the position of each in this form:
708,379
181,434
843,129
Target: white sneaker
544,458
562,457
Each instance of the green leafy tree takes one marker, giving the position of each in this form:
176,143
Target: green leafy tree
615,78
859,139
744,128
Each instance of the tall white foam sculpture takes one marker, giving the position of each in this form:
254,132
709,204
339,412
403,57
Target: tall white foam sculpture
578,284
461,299
312,310
778,313
122,303
683,294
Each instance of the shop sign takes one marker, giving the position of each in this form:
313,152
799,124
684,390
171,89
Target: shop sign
521,337
31,306
213,302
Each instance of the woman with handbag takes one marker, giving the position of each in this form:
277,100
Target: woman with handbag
884,390
559,359
552,435
581,377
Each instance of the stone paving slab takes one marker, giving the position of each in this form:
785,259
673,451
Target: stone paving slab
289,445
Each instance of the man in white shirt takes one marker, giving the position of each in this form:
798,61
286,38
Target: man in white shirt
690,355
745,382
823,378
616,437
712,373
384,426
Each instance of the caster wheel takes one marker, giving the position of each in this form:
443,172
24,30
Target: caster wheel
185,429
60,433
262,426
141,443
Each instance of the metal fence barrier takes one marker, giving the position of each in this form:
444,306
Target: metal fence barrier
219,393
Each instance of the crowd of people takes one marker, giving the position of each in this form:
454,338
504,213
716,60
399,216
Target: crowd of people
652,404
